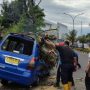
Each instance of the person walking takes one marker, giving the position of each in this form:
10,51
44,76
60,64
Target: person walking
87,78
78,66
68,63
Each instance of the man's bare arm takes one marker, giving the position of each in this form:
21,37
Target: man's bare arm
87,67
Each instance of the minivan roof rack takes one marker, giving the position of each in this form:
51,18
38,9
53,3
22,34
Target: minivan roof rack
23,35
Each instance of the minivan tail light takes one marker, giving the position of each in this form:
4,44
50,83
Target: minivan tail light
32,64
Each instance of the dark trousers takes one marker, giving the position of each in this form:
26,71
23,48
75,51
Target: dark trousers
58,75
73,84
66,73
87,82
79,66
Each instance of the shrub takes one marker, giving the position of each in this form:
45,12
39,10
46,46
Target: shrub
87,50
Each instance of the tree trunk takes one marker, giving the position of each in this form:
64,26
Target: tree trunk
82,45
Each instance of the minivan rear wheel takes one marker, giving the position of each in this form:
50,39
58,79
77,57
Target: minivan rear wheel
36,83
4,82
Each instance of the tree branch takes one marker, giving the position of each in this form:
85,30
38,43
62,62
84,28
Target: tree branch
39,2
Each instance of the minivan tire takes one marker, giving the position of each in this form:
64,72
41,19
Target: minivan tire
4,82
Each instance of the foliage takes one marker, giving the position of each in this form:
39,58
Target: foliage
16,28
88,37
71,36
12,13
82,39
87,50
35,13
4,15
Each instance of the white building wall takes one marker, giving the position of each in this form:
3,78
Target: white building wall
52,32
60,31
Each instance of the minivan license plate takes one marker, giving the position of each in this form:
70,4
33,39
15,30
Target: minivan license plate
11,60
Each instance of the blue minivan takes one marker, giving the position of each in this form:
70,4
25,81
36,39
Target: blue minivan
19,57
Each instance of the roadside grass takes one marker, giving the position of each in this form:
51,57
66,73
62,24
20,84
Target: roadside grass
84,50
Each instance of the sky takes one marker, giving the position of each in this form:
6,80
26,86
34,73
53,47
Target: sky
55,9
54,12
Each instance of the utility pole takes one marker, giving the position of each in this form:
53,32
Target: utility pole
81,28
73,18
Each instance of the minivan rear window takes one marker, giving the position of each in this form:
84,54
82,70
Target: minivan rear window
18,45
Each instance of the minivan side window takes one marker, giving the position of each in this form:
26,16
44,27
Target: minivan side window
19,46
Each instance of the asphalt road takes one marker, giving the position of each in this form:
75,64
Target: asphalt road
79,75
48,84
83,59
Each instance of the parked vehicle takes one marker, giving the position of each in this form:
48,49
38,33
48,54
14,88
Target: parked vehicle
60,42
19,59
